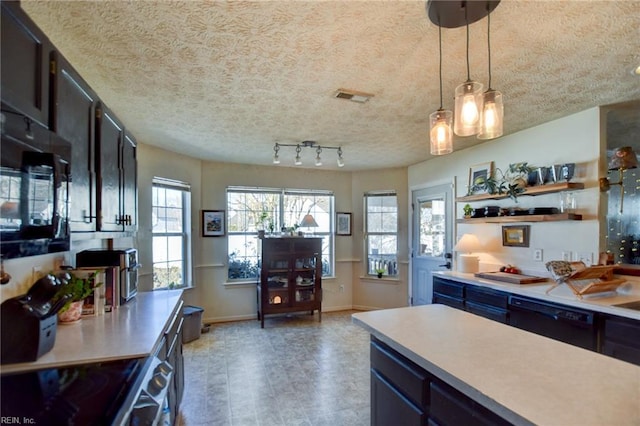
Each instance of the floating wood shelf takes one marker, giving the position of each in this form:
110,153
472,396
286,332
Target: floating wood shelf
530,190
523,218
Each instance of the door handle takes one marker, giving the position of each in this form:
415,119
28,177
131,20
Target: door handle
447,265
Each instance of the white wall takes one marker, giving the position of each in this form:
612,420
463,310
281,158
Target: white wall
575,138
374,293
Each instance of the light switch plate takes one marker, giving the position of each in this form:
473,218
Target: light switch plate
584,257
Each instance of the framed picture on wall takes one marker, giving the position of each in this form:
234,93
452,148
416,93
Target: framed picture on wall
515,236
478,176
213,224
343,223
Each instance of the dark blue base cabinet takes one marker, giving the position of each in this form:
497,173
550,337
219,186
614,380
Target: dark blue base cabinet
403,393
608,334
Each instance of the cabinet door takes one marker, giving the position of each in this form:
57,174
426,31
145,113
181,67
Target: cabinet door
390,407
129,183
24,64
450,407
621,339
109,134
72,117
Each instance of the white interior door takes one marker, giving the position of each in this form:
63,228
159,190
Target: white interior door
431,240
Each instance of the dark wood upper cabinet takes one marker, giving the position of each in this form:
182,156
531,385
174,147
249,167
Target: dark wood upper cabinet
109,140
129,183
41,87
73,105
24,64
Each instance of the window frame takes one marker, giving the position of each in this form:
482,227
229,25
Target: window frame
185,234
327,236
369,271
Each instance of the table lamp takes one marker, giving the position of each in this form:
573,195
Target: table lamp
467,262
308,222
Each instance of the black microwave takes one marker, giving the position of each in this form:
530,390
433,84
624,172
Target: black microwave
34,188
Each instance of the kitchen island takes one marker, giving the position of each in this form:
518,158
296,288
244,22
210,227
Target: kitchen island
517,376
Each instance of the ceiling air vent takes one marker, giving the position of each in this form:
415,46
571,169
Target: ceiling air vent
353,95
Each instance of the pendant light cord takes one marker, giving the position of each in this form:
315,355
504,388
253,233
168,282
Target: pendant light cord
489,46
466,18
440,53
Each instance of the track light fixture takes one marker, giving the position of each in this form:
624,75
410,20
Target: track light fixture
307,144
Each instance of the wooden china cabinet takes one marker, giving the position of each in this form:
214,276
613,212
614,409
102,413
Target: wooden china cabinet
290,276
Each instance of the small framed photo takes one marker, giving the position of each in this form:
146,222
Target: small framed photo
478,176
343,223
515,236
213,224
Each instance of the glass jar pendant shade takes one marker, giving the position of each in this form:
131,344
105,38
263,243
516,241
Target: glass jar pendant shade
467,109
441,135
491,117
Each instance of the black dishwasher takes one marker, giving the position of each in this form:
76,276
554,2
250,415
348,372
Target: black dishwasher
570,325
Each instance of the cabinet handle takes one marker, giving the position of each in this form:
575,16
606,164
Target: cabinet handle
87,218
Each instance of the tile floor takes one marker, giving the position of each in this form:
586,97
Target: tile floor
295,371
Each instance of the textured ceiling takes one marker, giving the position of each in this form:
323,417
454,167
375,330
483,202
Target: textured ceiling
226,80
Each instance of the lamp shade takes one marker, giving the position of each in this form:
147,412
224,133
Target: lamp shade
492,115
469,243
468,263
308,222
623,158
441,136
466,120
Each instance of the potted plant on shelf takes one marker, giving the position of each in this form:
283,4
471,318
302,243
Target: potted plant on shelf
76,289
511,183
380,271
468,210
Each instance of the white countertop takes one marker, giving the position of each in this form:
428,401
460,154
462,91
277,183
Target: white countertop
604,302
521,376
130,331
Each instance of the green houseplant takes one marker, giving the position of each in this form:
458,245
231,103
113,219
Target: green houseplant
380,272
77,289
512,182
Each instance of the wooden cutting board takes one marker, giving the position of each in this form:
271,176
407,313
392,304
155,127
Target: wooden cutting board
510,278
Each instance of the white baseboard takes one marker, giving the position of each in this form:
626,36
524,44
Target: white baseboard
365,308
255,316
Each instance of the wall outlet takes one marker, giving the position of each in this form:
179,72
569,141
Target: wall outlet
537,255
566,256
584,257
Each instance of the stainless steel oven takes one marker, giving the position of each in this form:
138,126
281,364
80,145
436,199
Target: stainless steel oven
121,262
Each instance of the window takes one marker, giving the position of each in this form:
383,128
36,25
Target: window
171,219
274,210
381,232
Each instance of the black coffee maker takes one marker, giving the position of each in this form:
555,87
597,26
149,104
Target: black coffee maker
29,322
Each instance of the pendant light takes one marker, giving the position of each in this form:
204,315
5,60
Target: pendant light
468,101
441,136
492,115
